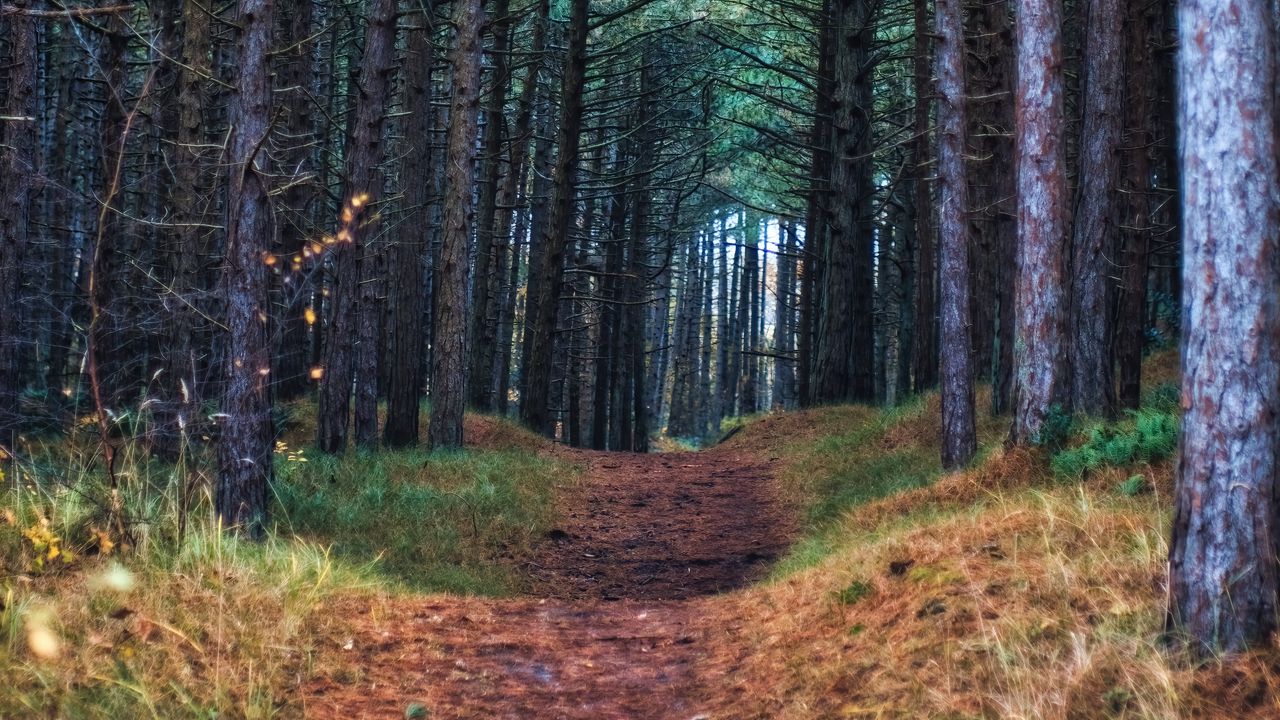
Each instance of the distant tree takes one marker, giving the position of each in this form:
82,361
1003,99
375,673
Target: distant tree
1039,134
245,451
535,401
1224,576
959,441
406,278
449,359
844,357
17,189
352,354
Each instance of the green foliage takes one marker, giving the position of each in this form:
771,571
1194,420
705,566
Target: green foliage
1164,397
1057,428
1146,436
436,521
1134,486
855,591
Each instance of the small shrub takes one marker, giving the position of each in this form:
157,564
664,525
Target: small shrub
1148,436
856,591
1163,397
1134,486
1057,428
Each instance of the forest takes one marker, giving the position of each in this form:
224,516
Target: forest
640,358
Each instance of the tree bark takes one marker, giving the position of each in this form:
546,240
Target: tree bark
845,359
484,320
959,439
1041,176
924,358
449,361
352,353
1130,332
1223,573
18,171
535,403
407,276
244,457
1094,229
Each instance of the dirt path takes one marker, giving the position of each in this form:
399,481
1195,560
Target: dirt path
613,628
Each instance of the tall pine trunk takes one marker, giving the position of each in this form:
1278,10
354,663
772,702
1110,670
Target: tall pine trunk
449,360
407,278
959,441
1094,230
1223,575
1040,162
17,189
244,454
535,402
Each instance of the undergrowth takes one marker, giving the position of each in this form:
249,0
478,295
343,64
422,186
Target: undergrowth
1012,589
435,521
129,601
854,456
1144,436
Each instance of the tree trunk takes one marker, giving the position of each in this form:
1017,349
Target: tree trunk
449,361
484,290
924,358
18,171
353,333
1094,229
1223,573
407,278
817,217
364,173
959,440
245,450
844,361
535,407
293,291
1130,332
1042,188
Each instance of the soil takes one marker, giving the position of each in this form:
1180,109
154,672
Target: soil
613,624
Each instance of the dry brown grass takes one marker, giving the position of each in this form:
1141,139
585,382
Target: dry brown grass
997,592
1032,603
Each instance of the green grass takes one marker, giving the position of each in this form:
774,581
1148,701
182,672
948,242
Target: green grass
210,625
434,521
858,457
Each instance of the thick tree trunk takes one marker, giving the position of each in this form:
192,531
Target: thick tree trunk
817,217
959,441
245,450
1042,217
364,173
1094,229
449,361
1223,573
535,402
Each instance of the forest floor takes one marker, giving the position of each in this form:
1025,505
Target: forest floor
613,625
